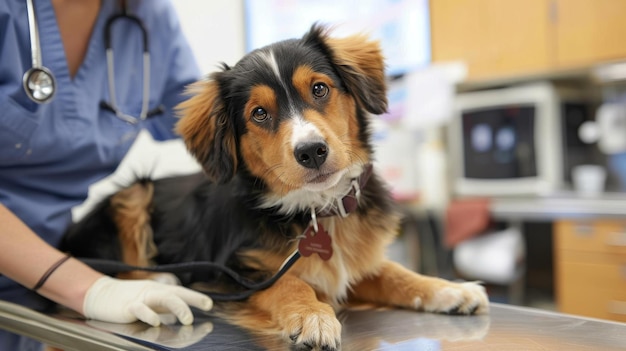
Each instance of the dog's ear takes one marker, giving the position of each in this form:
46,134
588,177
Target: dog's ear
360,64
207,130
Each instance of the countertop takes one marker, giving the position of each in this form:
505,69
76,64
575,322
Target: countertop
562,205
504,328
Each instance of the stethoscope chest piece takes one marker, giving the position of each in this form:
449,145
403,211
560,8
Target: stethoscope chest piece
39,84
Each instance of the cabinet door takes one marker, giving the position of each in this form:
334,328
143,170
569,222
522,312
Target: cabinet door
589,31
590,267
592,290
495,38
603,236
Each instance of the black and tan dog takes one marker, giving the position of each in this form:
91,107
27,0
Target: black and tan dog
284,139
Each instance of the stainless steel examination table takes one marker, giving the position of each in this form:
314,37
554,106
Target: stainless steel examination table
505,328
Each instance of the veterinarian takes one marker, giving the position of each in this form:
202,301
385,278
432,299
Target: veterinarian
68,114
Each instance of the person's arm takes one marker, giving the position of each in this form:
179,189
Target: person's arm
25,258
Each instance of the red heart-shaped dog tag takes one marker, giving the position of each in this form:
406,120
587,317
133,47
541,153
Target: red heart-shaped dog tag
316,242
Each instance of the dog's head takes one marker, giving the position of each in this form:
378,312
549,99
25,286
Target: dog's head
292,114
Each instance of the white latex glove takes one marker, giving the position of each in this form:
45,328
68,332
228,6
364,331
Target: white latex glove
125,301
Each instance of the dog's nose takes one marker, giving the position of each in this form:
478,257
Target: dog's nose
311,155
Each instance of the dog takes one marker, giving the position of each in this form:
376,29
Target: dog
283,138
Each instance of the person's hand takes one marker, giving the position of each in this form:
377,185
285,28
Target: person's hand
125,301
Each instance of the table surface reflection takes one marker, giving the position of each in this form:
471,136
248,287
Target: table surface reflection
505,328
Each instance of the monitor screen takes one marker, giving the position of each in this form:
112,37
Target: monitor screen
402,26
499,142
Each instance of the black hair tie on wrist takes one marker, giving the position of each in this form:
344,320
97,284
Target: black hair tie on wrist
49,272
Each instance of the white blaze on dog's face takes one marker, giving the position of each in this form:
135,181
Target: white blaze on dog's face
293,115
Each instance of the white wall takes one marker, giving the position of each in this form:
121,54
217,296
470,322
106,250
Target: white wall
215,30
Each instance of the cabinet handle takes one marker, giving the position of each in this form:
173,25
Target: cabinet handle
616,239
583,229
617,307
554,12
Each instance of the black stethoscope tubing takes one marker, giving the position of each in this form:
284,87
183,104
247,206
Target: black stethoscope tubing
112,106
115,267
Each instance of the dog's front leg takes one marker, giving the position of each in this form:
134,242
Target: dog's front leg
308,323
395,285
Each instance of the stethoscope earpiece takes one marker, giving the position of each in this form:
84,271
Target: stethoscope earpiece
39,84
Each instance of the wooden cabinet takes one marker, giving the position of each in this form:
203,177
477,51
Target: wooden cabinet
589,31
501,39
590,268
494,37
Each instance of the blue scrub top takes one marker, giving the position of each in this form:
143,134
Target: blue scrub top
51,153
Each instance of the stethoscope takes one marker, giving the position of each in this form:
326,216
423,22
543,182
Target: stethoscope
40,84
111,267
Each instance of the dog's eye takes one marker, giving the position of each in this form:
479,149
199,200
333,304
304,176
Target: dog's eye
320,90
260,115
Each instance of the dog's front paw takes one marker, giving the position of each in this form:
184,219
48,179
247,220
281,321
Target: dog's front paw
456,298
314,328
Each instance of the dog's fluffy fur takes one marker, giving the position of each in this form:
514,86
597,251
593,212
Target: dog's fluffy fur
283,131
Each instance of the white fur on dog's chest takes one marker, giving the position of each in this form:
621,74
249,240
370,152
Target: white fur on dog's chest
331,277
